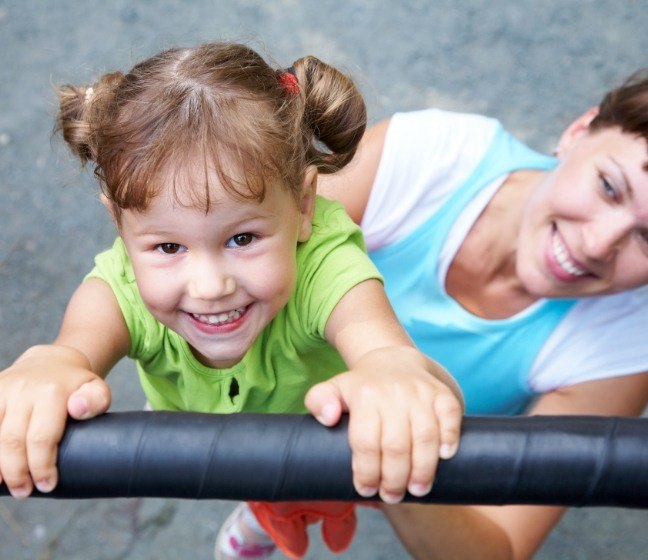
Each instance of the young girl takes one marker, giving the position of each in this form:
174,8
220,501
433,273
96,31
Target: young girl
234,287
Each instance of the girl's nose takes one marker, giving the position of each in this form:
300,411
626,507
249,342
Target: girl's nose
209,281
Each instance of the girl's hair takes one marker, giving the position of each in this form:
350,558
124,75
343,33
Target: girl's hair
215,108
626,106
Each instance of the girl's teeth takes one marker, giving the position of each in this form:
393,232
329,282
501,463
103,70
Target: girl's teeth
220,318
563,259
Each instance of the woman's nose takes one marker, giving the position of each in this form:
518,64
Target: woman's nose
210,280
605,236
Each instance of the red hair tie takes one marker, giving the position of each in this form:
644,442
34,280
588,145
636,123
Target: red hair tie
289,81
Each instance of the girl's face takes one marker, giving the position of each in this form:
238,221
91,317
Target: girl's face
218,278
585,228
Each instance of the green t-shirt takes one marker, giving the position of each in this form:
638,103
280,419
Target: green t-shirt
289,356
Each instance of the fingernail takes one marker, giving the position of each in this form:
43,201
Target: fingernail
446,451
367,491
327,414
45,485
82,407
391,498
419,489
20,492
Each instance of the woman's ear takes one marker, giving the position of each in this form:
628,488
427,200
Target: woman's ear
576,129
307,202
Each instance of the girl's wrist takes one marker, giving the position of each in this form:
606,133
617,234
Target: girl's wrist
56,351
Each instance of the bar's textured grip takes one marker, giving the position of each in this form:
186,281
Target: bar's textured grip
561,460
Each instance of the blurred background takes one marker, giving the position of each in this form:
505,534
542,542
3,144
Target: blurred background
534,64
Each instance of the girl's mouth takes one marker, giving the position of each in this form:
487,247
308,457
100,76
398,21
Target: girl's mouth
220,319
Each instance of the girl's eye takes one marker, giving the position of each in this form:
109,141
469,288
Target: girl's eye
170,248
608,189
240,240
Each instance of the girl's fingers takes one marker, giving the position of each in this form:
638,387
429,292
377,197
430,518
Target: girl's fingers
364,439
45,430
89,400
396,464
449,414
13,453
425,451
325,402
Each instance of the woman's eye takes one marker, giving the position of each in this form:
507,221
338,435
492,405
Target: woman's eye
240,240
644,237
169,248
608,189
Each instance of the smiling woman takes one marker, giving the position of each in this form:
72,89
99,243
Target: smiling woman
523,274
596,206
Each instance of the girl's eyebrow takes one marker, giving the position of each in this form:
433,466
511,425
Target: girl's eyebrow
157,232
250,215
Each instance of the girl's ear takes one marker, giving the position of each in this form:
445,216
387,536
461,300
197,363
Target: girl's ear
577,129
110,207
307,202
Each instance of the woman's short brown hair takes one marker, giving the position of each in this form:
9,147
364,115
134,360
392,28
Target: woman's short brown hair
626,106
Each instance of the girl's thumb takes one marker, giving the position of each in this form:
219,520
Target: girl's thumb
89,400
324,401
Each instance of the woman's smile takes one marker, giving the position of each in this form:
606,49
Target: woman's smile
560,261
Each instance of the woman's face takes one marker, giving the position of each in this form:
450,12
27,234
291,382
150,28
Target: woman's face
585,228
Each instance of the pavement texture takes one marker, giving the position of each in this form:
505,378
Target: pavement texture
535,64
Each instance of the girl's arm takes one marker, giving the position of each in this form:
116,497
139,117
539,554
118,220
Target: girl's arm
48,382
352,185
405,410
511,531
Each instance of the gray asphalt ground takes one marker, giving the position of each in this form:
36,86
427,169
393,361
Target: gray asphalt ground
535,64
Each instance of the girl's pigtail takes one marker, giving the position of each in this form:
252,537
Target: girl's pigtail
335,115
80,111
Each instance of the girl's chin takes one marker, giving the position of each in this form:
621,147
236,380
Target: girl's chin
216,362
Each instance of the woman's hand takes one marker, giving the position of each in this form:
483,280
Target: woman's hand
37,393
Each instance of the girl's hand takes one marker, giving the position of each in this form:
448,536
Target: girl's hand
36,395
403,417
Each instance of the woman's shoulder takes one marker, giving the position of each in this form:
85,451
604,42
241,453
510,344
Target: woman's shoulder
426,156
435,143
436,120
600,337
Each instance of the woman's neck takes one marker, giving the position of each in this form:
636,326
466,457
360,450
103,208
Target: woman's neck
482,277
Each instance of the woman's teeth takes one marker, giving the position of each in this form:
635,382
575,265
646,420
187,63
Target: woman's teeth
560,252
220,318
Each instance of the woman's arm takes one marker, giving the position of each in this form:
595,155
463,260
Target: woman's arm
352,185
511,531
404,408
48,382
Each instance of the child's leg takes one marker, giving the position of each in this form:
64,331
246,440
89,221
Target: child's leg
241,536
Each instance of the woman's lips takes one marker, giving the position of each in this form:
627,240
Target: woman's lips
560,262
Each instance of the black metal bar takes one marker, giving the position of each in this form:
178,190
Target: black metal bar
570,460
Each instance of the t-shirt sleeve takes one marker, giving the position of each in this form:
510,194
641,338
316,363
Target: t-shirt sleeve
600,337
114,267
330,263
426,156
